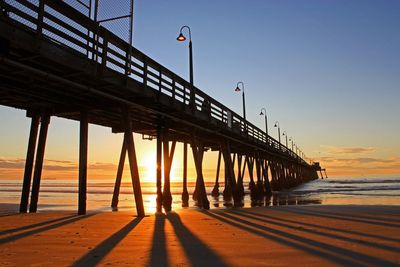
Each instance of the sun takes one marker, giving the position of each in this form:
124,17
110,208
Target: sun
148,167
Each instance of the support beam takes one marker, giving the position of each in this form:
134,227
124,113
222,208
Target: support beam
267,185
137,191
259,185
117,186
185,193
227,193
198,153
83,149
37,173
226,152
215,191
159,169
239,185
168,157
252,185
30,155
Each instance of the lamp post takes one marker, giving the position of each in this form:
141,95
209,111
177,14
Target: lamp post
279,131
291,139
264,112
181,38
237,89
285,134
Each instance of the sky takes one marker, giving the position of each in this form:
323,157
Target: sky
328,71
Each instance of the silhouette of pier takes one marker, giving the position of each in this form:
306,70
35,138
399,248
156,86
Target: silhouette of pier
57,61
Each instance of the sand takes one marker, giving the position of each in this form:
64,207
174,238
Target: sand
267,236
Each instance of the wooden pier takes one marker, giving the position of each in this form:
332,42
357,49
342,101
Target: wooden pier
56,61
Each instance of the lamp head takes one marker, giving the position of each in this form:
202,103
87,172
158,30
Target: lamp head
276,125
237,89
181,38
261,113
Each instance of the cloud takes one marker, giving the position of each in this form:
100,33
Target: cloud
361,165
12,163
357,160
56,165
348,150
104,166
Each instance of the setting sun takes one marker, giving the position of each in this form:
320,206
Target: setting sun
148,167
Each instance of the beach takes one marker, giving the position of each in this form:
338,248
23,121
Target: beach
312,235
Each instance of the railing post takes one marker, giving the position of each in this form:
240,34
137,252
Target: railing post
39,26
173,87
103,53
193,98
145,75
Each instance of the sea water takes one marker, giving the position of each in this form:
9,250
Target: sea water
63,194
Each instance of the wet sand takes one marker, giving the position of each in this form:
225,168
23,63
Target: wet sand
267,236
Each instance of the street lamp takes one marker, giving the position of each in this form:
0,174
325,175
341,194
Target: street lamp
285,134
291,139
237,89
279,130
182,38
264,112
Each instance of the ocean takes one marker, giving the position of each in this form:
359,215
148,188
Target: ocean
62,194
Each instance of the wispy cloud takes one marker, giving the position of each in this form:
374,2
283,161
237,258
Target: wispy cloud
56,165
357,160
12,163
348,150
361,165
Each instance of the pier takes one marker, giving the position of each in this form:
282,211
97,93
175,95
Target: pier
56,61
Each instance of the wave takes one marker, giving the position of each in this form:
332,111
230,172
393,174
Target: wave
346,191
364,181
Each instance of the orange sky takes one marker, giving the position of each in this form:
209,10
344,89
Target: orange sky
61,158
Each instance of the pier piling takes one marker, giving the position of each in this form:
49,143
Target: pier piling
37,173
30,156
83,150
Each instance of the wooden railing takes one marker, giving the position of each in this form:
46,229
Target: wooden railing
62,23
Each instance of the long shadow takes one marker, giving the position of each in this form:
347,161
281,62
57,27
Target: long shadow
6,214
349,213
312,213
26,227
94,256
317,232
159,255
197,252
322,226
46,228
321,249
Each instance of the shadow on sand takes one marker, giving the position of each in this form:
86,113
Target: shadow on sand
100,251
335,254
197,252
324,227
60,222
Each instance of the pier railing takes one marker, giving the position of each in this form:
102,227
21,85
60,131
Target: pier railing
73,29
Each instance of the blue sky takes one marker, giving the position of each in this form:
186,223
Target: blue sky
328,71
